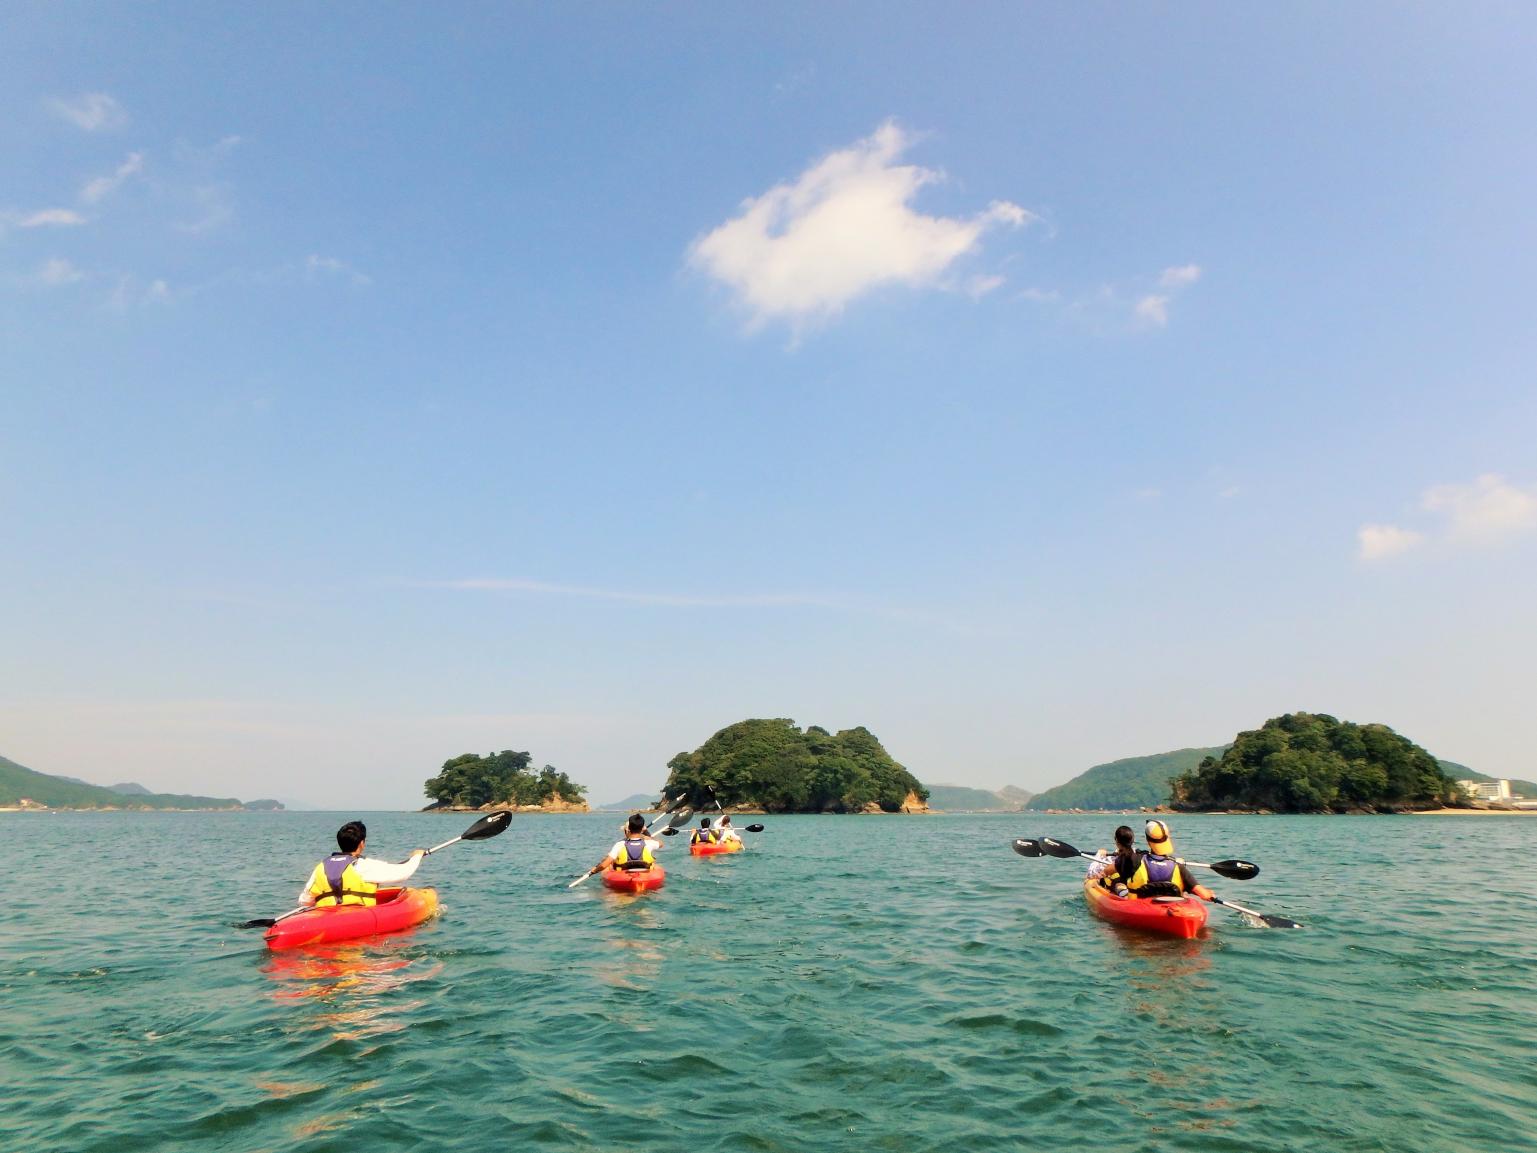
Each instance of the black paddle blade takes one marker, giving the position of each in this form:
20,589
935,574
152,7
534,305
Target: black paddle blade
755,828
259,923
490,825
1235,870
1278,922
1026,847
669,831
1057,848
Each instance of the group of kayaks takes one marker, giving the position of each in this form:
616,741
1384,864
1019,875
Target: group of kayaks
644,880
400,908
397,909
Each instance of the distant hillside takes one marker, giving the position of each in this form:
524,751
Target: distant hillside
637,802
1132,783
18,782
960,799
1463,773
129,789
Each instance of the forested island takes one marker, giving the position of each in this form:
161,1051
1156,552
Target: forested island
774,766
1315,763
503,780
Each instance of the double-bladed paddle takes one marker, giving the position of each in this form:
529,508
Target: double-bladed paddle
1236,870
490,825
674,831
1233,870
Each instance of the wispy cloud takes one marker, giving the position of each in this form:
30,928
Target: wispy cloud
101,187
676,600
1380,541
316,266
90,111
1488,511
44,218
1180,277
1152,309
58,271
804,250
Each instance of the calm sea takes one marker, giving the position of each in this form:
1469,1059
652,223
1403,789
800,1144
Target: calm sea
852,983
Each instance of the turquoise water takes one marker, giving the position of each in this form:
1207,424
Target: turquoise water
853,983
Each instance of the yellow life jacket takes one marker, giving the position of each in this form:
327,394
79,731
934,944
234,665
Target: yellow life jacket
704,837
1157,876
336,881
629,859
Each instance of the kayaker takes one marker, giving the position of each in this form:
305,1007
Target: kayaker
726,832
1158,873
633,850
704,835
1123,863
347,877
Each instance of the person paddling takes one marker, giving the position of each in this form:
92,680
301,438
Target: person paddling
632,852
347,877
704,835
1158,873
1122,864
726,832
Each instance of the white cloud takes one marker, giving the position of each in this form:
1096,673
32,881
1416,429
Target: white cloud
46,218
1152,310
103,186
91,111
1487,511
979,286
1179,277
58,271
804,250
316,266
1379,541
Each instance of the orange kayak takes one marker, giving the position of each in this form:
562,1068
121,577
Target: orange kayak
708,849
1176,916
634,880
397,909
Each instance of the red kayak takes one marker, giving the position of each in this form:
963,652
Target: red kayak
1176,916
634,880
711,848
397,909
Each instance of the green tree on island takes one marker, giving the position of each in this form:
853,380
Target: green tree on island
773,765
473,781
1314,763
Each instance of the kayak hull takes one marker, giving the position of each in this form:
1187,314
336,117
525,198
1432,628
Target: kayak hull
1170,916
705,849
634,880
397,909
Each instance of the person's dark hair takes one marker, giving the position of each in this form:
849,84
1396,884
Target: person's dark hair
350,836
637,823
1124,837
704,822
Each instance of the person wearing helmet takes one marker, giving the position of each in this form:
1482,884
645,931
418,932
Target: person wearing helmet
1159,873
704,835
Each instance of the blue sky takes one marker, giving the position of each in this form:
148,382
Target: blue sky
1034,386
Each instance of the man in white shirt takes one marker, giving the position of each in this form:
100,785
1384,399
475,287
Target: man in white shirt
341,872
634,850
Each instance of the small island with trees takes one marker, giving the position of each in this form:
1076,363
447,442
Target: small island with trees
503,780
1315,763
774,766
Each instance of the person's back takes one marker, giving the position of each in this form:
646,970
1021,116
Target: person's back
1114,870
703,835
347,877
1159,873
